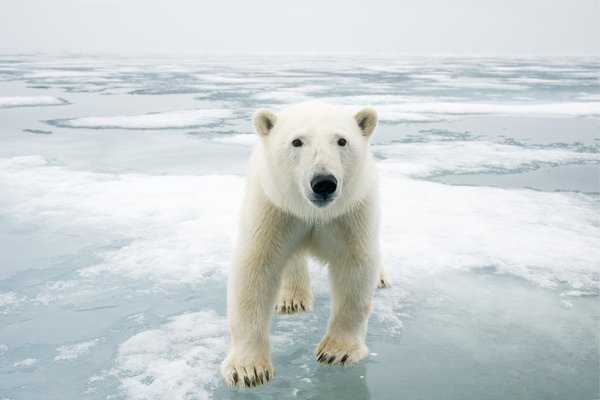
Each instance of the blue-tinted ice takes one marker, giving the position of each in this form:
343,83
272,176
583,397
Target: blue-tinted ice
120,182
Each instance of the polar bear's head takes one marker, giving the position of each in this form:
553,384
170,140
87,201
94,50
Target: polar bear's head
314,157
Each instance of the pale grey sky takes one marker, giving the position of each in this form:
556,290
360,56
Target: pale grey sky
401,26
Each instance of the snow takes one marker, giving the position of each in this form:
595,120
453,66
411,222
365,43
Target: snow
28,362
435,227
184,229
178,360
7,298
74,351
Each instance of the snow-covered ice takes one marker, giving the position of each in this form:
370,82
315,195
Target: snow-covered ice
163,120
458,156
30,101
175,360
116,229
74,351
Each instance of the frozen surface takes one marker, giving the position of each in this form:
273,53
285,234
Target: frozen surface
30,101
118,215
162,120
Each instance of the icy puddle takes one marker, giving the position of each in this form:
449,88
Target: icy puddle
117,225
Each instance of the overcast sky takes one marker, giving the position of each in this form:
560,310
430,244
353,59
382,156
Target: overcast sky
401,26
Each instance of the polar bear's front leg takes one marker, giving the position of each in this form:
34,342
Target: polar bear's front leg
295,294
253,284
353,283
252,291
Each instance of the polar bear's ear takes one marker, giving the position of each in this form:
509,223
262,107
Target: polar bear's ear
264,121
366,120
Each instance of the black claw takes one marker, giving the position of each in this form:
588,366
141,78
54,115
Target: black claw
344,359
253,381
321,357
247,381
267,374
331,360
302,305
295,307
260,378
235,377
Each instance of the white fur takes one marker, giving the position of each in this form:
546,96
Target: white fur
280,227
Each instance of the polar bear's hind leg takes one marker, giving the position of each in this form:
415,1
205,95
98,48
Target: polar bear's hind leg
295,294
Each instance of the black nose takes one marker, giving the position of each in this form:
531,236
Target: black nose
323,185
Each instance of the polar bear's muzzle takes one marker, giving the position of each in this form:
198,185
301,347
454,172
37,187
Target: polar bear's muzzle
324,188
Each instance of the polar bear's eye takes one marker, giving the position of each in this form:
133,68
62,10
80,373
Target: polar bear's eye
296,142
342,142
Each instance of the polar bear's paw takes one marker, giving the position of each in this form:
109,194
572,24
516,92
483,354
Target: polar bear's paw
334,352
291,301
384,281
247,374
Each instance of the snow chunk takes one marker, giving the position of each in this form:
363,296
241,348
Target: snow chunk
8,298
31,101
162,120
179,360
28,362
578,293
73,352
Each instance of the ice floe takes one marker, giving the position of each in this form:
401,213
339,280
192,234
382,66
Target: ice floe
31,101
161,120
178,231
422,159
416,111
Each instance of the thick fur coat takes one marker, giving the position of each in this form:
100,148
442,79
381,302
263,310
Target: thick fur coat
311,190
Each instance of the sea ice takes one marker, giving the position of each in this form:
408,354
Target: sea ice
28,362
434,157
116,245
74,351
178,360
30,101
160,120
188,233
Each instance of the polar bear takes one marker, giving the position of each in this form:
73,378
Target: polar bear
311,189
